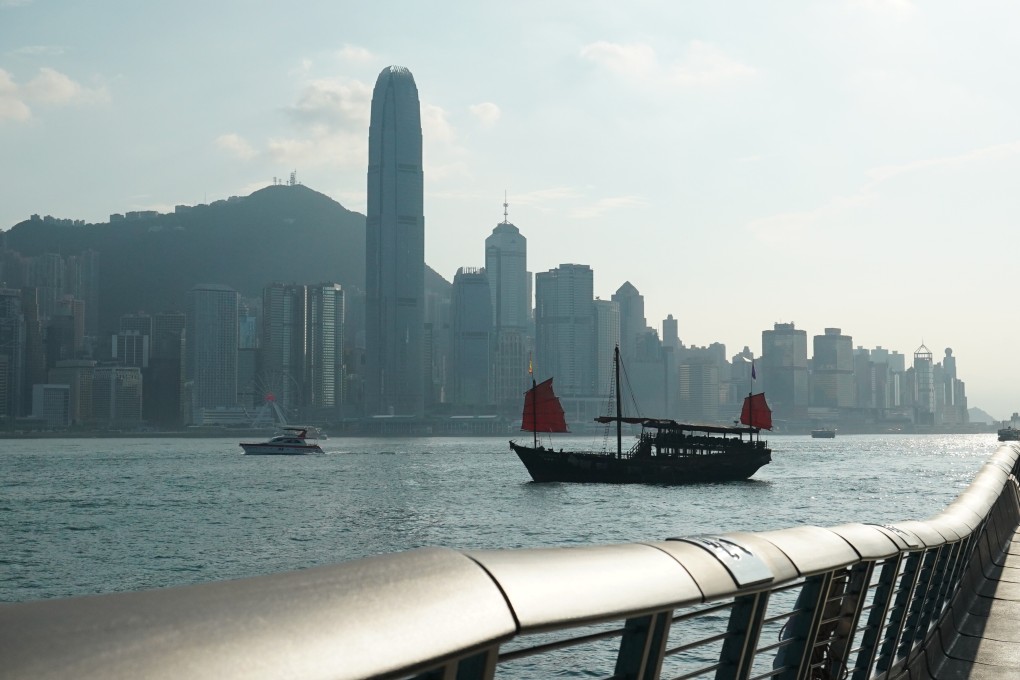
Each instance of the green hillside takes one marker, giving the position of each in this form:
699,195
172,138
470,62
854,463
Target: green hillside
279,233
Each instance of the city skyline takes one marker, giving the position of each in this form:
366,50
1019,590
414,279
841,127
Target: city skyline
838,166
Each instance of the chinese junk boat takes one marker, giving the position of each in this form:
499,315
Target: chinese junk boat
666,452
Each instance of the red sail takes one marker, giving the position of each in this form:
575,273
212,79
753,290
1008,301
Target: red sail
542,410
756,412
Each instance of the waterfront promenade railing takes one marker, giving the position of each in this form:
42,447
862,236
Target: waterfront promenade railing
852,601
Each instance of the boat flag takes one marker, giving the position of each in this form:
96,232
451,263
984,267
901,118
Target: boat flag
531,370
754,375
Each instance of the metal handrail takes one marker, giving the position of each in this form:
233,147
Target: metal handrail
867,601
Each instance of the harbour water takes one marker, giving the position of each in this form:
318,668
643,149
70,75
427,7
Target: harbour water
83,516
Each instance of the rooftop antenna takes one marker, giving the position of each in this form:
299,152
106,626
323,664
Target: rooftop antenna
505,206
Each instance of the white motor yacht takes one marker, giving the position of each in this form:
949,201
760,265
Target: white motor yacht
293,442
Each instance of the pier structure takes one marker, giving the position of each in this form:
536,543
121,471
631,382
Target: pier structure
936,598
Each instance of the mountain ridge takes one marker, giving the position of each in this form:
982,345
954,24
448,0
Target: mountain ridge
284,233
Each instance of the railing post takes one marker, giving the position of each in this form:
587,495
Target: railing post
480,666
941,571
898,611
922,593
884,590
803,626
850,615
743,631
643,646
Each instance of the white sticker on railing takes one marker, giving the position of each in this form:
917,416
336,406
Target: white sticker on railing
746,568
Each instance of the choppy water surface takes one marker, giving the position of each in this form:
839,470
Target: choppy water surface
84,516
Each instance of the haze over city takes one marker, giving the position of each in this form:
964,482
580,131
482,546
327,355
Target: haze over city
845,164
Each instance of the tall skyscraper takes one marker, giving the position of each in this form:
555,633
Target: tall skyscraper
164,385
212,347
506,265
284,349
395,249
924,387
632,317
325,348
832,374
12,353
784,370
565,329
470,329
607,338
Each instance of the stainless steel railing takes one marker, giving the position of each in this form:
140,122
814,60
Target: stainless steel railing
853,601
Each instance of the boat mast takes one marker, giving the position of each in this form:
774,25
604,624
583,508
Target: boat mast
619,407
534,411
750,413
534,415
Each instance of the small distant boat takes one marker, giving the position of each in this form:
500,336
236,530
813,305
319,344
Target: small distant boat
666,452
824,433
292,442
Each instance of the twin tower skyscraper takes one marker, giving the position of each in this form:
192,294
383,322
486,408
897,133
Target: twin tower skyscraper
395,250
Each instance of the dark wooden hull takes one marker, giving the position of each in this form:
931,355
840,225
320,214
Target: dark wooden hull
548,465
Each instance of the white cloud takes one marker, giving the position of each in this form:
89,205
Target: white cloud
39,51
993,152
707,65
899,8
334,103
49,87
795,228
637,60
355,54
236,145
540,198
703,64
435,127
320,148
12,107
604,205
487,113
53,87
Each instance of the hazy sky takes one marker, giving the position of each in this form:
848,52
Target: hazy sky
844,163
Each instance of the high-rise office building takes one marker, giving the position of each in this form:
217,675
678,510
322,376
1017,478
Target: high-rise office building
82,282
506,266
565,329
783,370
284,346
117,395
832,370
632,317
607,337
78,374
35,346
671,333
395,249
470,331
924,387
211,347
325,348
164,383
12,353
